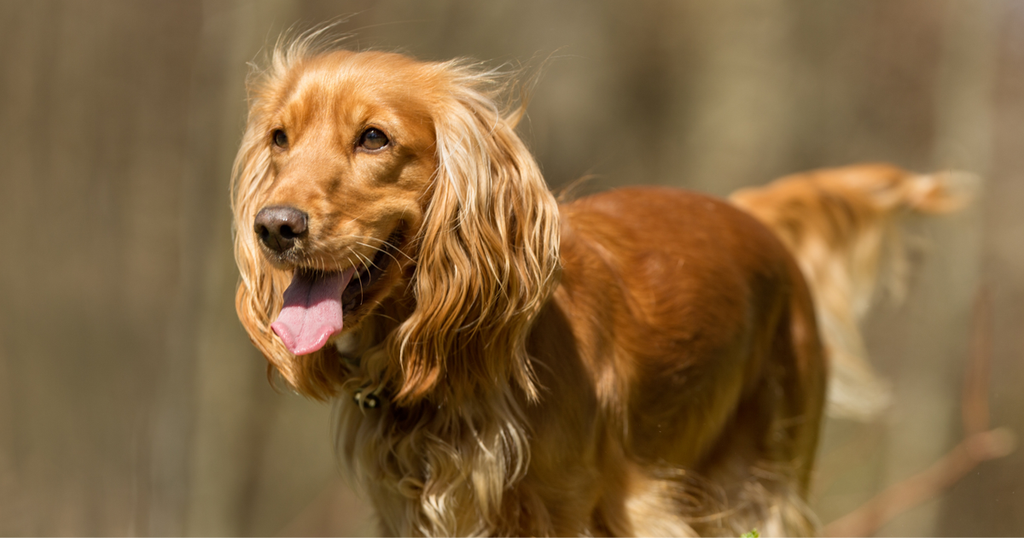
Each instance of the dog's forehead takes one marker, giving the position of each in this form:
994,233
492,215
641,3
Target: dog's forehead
348,82
369,77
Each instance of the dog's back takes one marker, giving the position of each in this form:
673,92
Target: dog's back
693,361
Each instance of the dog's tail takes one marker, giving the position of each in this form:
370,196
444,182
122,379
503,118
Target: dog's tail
842,225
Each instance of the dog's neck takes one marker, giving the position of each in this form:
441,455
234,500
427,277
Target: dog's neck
366,397
372,363
454,441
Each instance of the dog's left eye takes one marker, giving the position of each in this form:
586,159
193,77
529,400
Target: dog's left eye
279,138
372,139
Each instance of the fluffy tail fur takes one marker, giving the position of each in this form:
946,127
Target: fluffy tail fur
842,225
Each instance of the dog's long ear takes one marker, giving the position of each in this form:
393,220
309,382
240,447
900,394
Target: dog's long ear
488,251
261,287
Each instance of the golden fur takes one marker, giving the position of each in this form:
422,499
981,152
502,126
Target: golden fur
640,362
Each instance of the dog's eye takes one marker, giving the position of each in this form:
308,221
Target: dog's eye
280,138
373,139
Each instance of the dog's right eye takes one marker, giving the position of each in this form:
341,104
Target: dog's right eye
280,138
373,139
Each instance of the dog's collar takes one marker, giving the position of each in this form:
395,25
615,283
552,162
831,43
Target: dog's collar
364,397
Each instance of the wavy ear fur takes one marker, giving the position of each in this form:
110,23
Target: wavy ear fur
488,251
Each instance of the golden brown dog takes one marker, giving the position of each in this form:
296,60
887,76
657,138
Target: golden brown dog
644,361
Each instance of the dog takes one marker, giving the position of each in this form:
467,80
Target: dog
645,361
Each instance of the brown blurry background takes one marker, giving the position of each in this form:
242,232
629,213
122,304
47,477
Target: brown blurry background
130,399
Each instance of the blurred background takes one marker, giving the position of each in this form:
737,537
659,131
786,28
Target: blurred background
131,402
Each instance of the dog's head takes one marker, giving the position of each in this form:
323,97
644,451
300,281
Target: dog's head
370,179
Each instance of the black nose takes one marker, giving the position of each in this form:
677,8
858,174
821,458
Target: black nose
279,226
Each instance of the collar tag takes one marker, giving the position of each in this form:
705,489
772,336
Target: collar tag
368,400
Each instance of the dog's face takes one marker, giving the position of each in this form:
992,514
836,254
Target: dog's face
372,183
351,151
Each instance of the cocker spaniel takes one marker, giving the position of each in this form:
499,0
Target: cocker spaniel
645,361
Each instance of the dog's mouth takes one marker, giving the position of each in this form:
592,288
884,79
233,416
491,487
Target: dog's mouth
317,303
362,288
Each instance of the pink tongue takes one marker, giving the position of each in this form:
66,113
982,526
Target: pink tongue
312,310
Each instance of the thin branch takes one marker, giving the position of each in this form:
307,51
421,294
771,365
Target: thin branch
979,445
902,496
